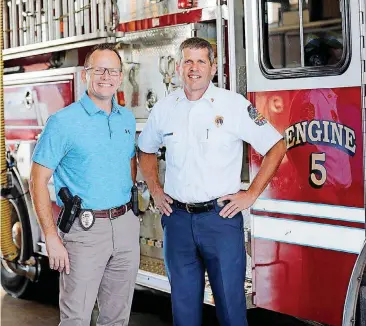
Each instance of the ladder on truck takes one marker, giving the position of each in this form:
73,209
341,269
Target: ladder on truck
32,27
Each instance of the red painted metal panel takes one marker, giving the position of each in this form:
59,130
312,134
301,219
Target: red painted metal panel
49,99
344,183
306,282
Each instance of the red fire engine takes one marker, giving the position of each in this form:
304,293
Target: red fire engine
301,63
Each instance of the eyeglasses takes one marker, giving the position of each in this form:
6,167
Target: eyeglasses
100,71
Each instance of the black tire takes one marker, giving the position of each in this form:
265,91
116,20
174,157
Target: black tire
16,285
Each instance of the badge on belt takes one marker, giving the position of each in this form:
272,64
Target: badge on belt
86,218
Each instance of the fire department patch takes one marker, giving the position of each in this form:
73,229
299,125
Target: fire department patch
219,121
257,117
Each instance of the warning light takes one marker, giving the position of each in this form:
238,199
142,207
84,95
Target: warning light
185,4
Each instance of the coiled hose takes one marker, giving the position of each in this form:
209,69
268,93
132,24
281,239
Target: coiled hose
8,249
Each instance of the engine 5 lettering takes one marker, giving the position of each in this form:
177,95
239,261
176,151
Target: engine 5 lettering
322,132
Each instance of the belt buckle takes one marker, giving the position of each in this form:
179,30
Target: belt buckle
187,208
110,214
123,207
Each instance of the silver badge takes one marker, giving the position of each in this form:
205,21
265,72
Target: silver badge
86,219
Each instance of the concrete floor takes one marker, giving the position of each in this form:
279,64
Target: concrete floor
148,309
17,312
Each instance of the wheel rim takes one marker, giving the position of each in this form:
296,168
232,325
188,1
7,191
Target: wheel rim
17,233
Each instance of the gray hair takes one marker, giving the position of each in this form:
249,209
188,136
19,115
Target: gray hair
197,43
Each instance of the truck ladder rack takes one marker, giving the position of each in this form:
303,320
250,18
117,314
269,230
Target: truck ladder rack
34,27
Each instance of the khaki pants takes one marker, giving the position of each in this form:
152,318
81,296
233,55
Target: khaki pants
103,265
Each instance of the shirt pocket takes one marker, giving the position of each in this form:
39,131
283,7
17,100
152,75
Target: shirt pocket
216,145
175,148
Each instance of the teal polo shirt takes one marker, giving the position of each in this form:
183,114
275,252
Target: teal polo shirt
90,152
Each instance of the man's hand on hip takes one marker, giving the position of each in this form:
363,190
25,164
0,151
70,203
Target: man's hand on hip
238,202
162,201
57,254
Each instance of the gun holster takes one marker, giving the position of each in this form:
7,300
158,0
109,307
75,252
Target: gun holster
69,211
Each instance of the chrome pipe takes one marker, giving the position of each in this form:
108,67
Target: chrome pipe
108,15
14,24
27,24
6,32
32,22
57,20
93,11
71,18
220,46
65,19
232,47
45,21
78,16
86,13
101,15
51,35
38,21
302,48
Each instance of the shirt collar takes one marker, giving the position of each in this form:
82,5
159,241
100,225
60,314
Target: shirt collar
208,94
115,106
92,109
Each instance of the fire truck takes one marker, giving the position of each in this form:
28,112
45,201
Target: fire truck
302,63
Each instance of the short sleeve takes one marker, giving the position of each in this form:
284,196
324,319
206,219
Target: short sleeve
254,129
150,138
133,132
52,145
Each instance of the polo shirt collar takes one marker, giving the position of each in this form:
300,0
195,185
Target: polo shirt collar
115,106
209,94
92,109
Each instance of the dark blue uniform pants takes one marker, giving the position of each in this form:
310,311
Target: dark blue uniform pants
193,243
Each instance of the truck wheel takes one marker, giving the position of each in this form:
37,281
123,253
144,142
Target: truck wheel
15,285
361,304
18,286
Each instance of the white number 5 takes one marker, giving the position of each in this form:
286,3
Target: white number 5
318,173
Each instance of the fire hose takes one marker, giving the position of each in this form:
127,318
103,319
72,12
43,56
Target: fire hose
8,249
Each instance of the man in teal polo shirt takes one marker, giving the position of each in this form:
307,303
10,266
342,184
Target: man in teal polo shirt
89,147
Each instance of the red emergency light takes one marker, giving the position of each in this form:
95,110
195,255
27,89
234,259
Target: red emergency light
185,4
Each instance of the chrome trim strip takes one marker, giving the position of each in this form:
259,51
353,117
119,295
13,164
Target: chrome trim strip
323,211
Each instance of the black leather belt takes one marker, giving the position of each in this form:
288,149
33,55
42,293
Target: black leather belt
196,208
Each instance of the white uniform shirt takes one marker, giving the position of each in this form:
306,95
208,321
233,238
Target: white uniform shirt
204,142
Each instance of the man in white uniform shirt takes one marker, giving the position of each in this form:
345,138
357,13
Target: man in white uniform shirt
203,128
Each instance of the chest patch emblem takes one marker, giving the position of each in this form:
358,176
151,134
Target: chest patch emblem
256,116
219,121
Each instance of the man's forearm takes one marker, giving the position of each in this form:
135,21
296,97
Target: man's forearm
269,166
148,164
43,206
